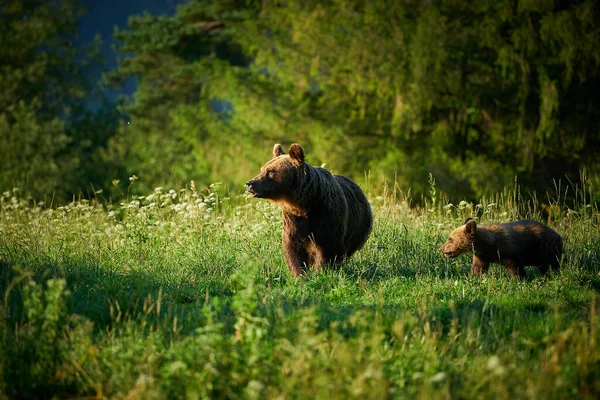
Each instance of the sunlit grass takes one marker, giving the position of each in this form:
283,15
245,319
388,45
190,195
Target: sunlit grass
186,294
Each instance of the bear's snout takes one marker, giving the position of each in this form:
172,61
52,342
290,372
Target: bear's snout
257,188
250,186
448,253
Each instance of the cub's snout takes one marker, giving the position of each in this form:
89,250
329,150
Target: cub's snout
447,251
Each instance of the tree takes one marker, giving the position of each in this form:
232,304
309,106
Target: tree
43,75
175,115
474,92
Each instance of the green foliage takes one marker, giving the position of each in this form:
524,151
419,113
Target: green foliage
475,93
45,345
48,140
31,150
186,293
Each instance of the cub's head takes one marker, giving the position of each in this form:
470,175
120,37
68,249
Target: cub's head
460,240
280,176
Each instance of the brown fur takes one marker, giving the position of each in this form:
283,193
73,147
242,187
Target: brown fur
514,244
326,217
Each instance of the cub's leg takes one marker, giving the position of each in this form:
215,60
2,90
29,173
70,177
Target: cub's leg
479,266
555,264
515,270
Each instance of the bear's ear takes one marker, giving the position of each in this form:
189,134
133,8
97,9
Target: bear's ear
296,153
277,150
470,226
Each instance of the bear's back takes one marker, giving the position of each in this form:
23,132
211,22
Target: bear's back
527,242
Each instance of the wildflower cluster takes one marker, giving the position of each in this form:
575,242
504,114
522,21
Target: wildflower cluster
166,213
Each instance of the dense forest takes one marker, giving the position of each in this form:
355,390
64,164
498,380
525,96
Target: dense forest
477,94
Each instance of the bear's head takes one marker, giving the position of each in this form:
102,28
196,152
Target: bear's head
280,176
460,240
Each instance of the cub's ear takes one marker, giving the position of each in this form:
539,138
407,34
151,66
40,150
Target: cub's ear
277,150
470,226
296,153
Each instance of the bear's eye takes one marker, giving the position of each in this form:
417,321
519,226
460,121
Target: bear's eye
270,174
450,240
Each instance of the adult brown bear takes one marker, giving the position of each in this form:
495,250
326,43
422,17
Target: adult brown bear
513,244
326,217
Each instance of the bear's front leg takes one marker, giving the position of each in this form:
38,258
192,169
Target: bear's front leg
296,255
479,266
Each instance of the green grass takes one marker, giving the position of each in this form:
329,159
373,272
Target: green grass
187,295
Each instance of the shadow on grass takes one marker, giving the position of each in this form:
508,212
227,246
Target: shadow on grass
494,323
94,291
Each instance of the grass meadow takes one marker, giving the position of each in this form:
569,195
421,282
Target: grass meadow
185,294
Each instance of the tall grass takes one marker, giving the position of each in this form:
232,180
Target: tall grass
185,294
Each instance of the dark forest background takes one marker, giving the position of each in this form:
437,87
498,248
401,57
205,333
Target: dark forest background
476,93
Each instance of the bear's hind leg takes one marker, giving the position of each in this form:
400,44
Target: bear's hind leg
332,255
555,264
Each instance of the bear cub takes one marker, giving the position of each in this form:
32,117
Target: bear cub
326,217
514,244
